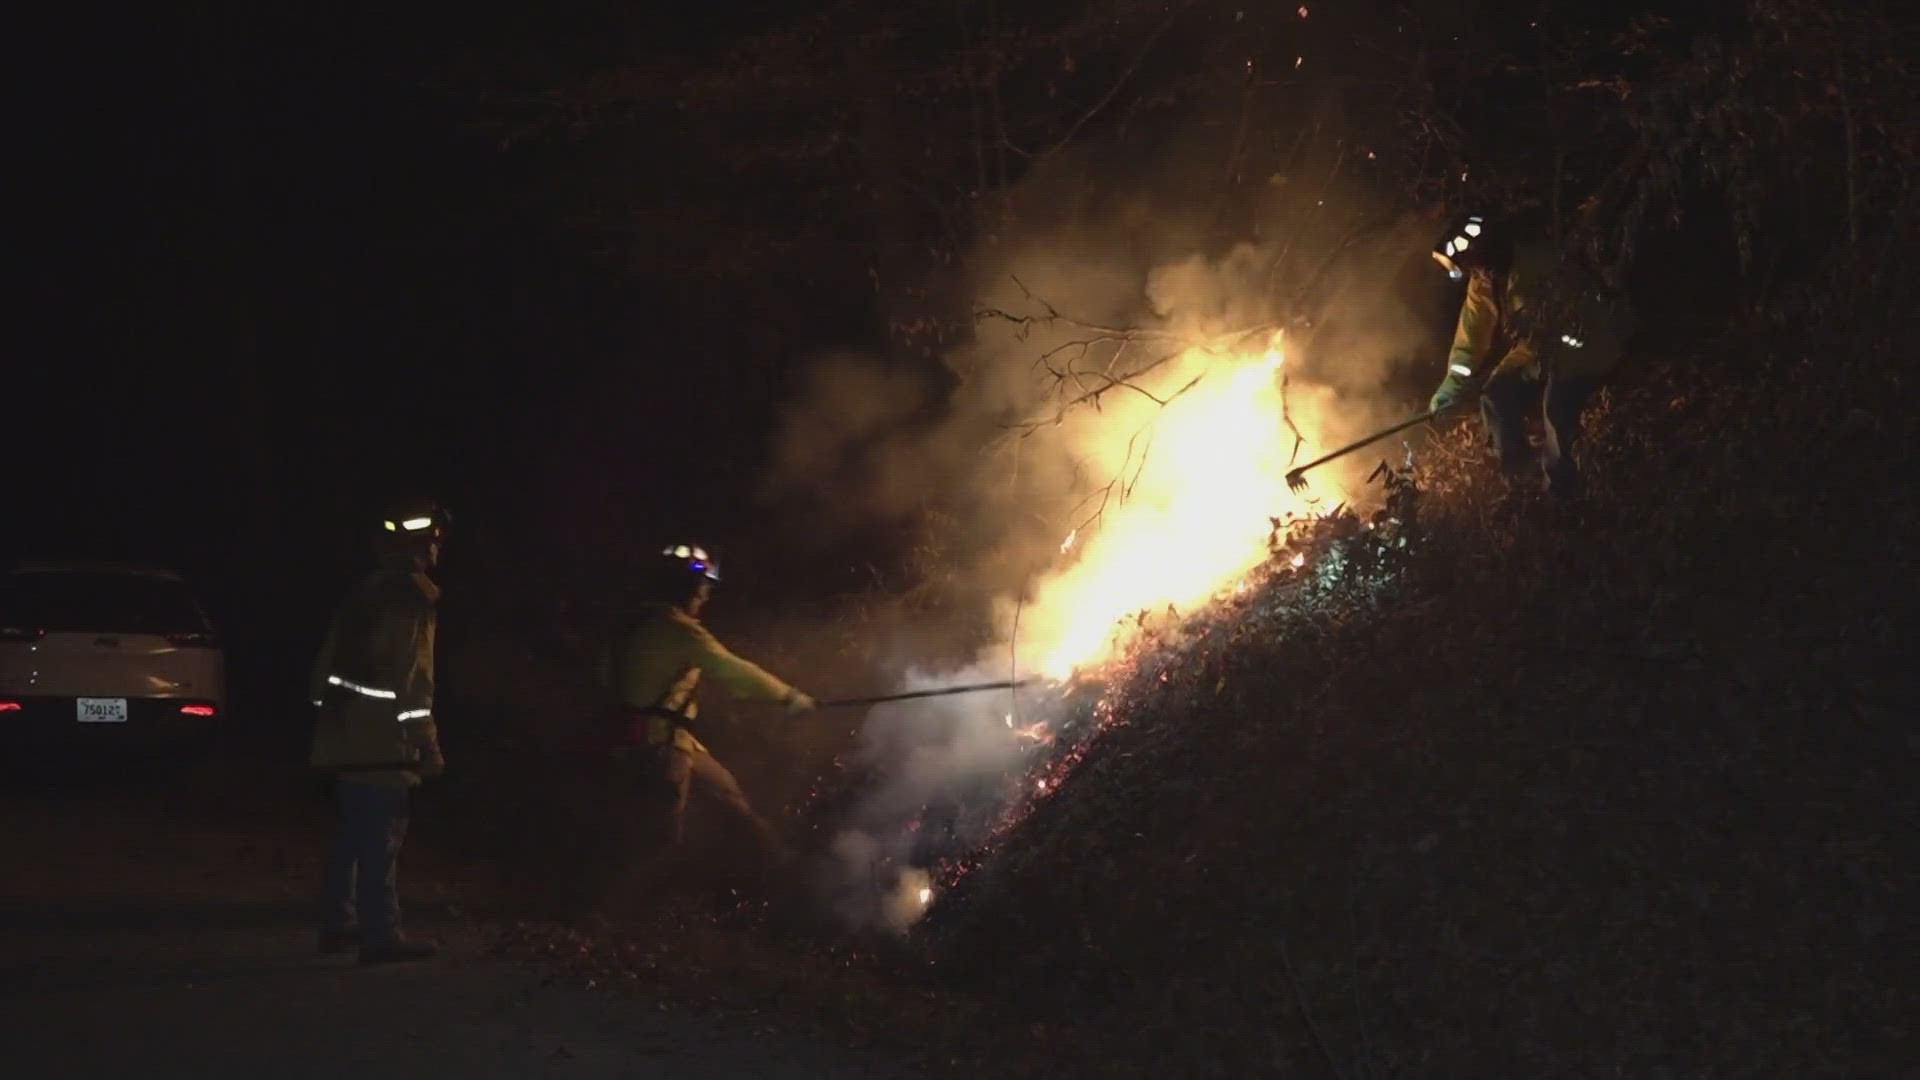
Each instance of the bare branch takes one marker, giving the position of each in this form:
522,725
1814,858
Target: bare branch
1286,417
1105,491
1112,91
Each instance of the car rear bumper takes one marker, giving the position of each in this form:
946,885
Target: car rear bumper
49,721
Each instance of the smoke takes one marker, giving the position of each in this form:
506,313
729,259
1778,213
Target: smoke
1109,436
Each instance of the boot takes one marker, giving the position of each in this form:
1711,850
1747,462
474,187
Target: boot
398,950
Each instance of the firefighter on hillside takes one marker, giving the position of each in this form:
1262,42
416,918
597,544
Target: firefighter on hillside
373,686
1532,323
653,669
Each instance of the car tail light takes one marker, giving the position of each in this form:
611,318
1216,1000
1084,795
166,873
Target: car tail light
14,633
193,639
196,710
9,706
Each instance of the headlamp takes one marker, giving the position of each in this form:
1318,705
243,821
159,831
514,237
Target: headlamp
696,559
1449,250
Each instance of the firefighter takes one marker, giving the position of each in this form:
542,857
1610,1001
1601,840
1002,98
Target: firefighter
1533,323
373,686
653,669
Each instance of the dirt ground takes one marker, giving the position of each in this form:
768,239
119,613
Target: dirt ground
163,927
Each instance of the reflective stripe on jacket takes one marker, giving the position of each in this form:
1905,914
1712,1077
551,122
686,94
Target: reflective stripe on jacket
373,681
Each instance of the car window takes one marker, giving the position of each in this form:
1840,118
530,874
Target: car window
97,602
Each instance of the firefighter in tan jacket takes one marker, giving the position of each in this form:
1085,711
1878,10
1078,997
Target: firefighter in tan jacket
373,686
1535,325
653,669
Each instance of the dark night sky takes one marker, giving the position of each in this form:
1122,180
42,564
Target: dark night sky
266,288
257,299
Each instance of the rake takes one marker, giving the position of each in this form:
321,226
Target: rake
1296,479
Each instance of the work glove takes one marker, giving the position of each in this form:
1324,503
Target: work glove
1452,389
798,703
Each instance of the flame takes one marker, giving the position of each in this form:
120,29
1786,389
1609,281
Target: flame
1199,482
1067,544
926,896
1035,732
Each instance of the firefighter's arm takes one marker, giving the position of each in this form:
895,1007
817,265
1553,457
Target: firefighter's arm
1519,358
1473,334
411,627
742,678
1522,353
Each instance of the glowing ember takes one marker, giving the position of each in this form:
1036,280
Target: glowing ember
1204,478
926,895
1034,732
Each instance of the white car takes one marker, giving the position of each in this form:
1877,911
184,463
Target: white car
122,655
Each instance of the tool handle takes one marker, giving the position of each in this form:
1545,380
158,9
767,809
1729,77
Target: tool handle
969,688
1373,438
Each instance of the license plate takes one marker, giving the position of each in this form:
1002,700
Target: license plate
95,710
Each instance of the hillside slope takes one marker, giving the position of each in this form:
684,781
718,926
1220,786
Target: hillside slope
1621,792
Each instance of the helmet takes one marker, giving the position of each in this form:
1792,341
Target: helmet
422,520
411,533
678,572
1469,243
690,559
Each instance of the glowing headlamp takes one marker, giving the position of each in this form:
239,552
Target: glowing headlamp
411,525
697,559
1446,253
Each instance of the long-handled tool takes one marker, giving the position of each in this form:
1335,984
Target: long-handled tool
945,691
1296,479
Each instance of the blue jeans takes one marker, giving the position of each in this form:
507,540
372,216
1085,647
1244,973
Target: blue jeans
1504,405
362,872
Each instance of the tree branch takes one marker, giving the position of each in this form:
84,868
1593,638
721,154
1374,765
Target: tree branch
1126,75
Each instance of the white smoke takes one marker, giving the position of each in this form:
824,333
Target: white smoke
871,429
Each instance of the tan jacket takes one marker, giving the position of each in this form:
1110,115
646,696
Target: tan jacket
658,661
1513,315
373,681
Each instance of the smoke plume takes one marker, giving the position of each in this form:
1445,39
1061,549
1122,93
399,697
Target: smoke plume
1113,435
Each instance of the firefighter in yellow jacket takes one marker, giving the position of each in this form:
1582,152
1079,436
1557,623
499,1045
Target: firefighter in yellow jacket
653,669
373,686
1533,323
